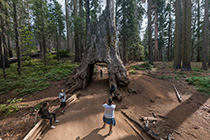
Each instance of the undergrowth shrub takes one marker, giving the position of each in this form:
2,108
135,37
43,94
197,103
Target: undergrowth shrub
132,71
63,53
35,77
144,66
11,107
164,77
201,83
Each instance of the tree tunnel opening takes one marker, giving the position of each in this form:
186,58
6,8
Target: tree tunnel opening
97,72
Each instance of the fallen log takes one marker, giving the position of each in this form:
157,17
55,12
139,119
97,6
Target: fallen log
135,129
151,134
149,119
41,126
177,94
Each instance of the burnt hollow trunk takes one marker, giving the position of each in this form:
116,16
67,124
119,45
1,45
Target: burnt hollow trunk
101,46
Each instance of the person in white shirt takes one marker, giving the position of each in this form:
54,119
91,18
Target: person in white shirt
108,116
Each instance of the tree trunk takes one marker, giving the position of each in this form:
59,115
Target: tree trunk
156,37
193,40
178,35
205,37
124,37
44,48
169,38
187,40
209,49
9,46
198,32
101,47
4,62
87,13
87,19
68,38
150,50
124,49
2,56
40,48
17,38
57,46
209,43
81,36
76,33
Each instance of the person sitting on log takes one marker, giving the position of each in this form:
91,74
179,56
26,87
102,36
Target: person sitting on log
62,99
45,114
108,116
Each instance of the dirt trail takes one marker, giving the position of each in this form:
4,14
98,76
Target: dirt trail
186,120
83,120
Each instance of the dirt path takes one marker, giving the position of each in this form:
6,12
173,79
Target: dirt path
83,120
186,120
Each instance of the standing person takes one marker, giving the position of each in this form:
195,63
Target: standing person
112,89
101,73
62,99
45,114
109,117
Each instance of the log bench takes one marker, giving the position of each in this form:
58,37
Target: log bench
42,125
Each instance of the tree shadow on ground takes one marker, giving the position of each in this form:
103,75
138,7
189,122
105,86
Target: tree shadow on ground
178,115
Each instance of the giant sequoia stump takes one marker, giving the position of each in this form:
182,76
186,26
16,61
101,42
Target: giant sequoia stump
101,46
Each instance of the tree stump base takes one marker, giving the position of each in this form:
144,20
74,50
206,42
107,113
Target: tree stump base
101,46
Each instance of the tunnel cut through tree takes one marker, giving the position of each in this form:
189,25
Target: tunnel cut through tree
101,46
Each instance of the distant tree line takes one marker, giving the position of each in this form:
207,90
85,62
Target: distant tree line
176,30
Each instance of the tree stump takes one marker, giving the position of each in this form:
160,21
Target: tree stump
101,46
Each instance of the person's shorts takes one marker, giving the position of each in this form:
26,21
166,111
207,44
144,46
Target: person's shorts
63,104
109,120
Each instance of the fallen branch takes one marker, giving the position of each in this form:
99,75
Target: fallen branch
177,94
149,133
149,119
135,129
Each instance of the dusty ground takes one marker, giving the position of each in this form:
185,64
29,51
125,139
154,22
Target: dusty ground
188,120
83,120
